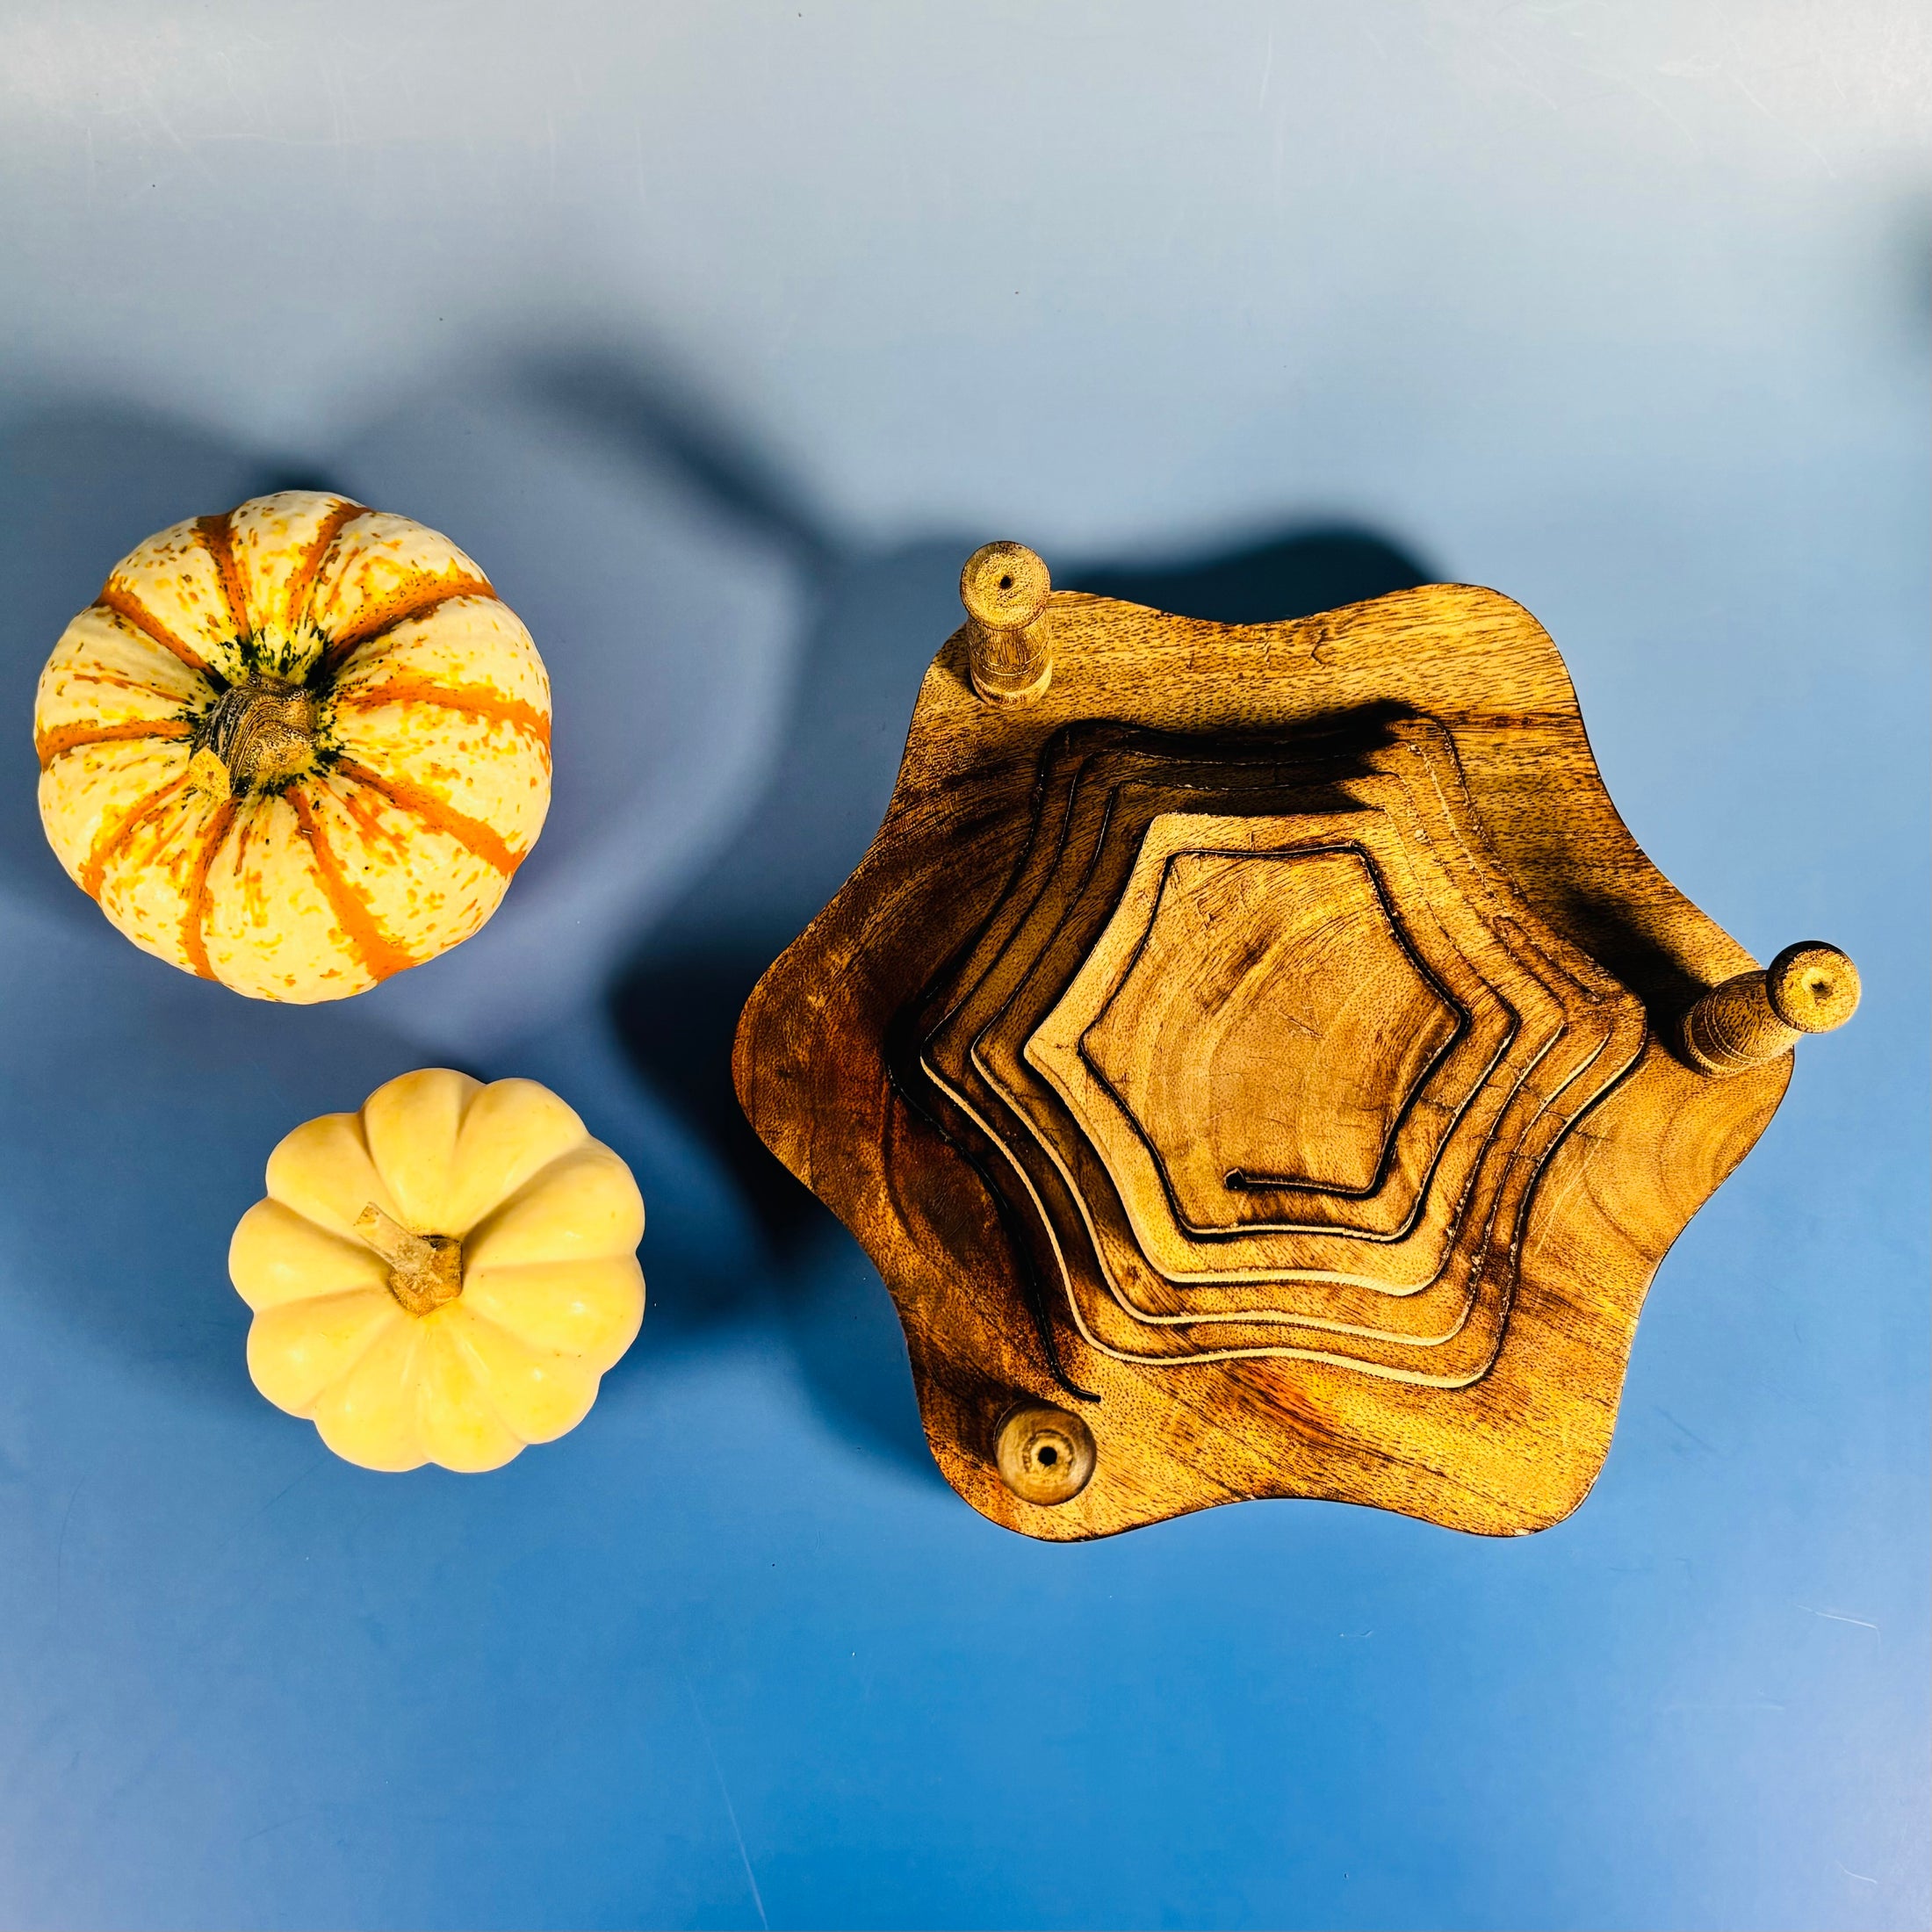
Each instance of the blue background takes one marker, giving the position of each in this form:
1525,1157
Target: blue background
719,335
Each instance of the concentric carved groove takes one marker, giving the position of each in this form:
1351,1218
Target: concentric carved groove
1418,1101
1256,1017
1407,1276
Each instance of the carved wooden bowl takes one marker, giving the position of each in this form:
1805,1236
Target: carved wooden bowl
1261,1063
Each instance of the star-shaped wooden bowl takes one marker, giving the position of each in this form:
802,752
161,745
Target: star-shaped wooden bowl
1261,1063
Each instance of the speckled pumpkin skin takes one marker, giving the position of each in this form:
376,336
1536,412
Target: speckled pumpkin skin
550,1221
432,773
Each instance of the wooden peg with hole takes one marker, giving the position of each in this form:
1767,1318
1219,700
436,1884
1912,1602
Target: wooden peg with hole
1045,1455
1006,588
1756,1017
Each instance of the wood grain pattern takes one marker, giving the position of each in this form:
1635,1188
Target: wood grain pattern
1257,1058
1255,1019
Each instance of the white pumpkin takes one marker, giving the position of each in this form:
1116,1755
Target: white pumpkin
443,1276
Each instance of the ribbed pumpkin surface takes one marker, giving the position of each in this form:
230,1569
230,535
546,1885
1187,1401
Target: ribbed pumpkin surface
551,1293
412,782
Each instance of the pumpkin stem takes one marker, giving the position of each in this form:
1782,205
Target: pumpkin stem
425,1271
259,733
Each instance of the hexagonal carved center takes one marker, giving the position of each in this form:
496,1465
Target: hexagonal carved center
1272,1029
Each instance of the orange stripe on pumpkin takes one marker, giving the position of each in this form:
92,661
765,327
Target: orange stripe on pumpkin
194,922
62,739
416,599
301,585
484,841
124,604
78,673
379,953
108,842
372,817
217,534
465,698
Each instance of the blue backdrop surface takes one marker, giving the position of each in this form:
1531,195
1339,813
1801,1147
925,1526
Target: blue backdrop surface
719,337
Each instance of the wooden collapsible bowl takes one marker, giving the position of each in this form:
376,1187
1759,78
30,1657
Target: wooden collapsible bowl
1261,1063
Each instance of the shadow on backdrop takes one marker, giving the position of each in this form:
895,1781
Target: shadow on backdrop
881,618
882,621
177,1090
83,482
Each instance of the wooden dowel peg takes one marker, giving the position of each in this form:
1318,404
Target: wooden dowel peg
1005,587
1808,988
1044,1454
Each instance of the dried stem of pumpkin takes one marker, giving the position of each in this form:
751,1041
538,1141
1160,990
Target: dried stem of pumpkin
425,1271
259,732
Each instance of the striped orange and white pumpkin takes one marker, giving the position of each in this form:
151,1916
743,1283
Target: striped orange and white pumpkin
296,748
